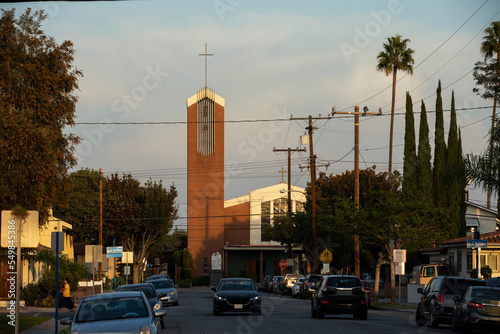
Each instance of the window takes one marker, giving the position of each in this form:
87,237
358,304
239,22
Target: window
469,261
429,272
459,261
265,219
489,260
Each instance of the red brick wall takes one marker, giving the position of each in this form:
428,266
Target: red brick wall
205,192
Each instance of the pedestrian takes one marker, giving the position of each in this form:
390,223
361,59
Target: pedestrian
66,297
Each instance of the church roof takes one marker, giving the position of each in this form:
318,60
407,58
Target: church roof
203,93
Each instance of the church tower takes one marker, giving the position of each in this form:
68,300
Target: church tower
205,175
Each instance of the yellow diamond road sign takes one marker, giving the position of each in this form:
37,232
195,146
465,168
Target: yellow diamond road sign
326,256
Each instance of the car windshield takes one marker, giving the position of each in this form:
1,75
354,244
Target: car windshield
314,278
104,309
490,294
163,284
147,290
236,285
458,286
343,282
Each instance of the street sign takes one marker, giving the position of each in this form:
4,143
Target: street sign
477,243
326,256
114,249
283,264
53,243
399,255
93,253
128,257
399,268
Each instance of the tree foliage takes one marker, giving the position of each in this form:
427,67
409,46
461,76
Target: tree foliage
424,168
439,152
37,101
410,181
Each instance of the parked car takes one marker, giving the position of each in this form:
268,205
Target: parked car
309,287
477,308
296,287
236,295
423,273
286,284
151,294
339,294
167,291
114,312
265,282
436,303
275,283
495,281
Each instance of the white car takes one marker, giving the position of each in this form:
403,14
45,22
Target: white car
296,287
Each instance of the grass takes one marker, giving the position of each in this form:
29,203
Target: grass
25,322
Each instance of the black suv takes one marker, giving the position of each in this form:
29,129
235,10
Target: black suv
338,294
436,303
309,287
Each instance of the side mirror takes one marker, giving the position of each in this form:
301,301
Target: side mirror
214,289
66,321
420,290
160,313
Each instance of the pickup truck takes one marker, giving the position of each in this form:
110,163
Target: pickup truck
288,282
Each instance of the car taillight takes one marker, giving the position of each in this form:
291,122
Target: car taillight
286,282
474,305
440,299
325,289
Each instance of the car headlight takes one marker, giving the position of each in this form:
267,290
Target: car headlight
145,330
220,298
172,293
157,306
256,298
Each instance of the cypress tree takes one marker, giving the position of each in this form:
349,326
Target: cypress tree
462,182
452,177
424,170
439,153
409,185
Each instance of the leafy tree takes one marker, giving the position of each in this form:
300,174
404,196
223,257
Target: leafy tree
37,102
396,56
491,48
424,169
410,181
81,209
439,152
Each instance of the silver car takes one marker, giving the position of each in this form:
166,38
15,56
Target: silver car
115,312
167,291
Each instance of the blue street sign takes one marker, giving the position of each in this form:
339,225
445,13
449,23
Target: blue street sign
477,243
115,254
114,250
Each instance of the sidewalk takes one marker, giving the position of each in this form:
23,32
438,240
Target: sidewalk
403,302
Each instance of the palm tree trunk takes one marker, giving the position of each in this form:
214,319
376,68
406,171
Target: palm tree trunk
488,198
394,75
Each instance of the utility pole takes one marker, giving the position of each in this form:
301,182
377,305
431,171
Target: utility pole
100,219
312,168
290,152
356,114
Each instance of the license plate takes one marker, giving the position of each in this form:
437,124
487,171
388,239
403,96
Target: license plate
238,306
344,292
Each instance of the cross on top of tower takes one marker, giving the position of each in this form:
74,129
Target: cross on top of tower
206,55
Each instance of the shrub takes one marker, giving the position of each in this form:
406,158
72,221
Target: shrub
184,283
32,294
201,280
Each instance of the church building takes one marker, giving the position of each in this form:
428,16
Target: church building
232,228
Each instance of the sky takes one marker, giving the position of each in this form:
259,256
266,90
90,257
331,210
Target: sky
271,60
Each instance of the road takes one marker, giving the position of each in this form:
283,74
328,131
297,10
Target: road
281,314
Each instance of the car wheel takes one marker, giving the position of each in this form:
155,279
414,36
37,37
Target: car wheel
434,321
162,324
321,313
259,312
175,304
216,312
464,329
363,315
419,318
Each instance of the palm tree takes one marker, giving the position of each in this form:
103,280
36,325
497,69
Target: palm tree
396,56
485,169
490,47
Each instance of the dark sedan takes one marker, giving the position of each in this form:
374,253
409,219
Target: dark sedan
150,293
477,308
236,295
338,294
